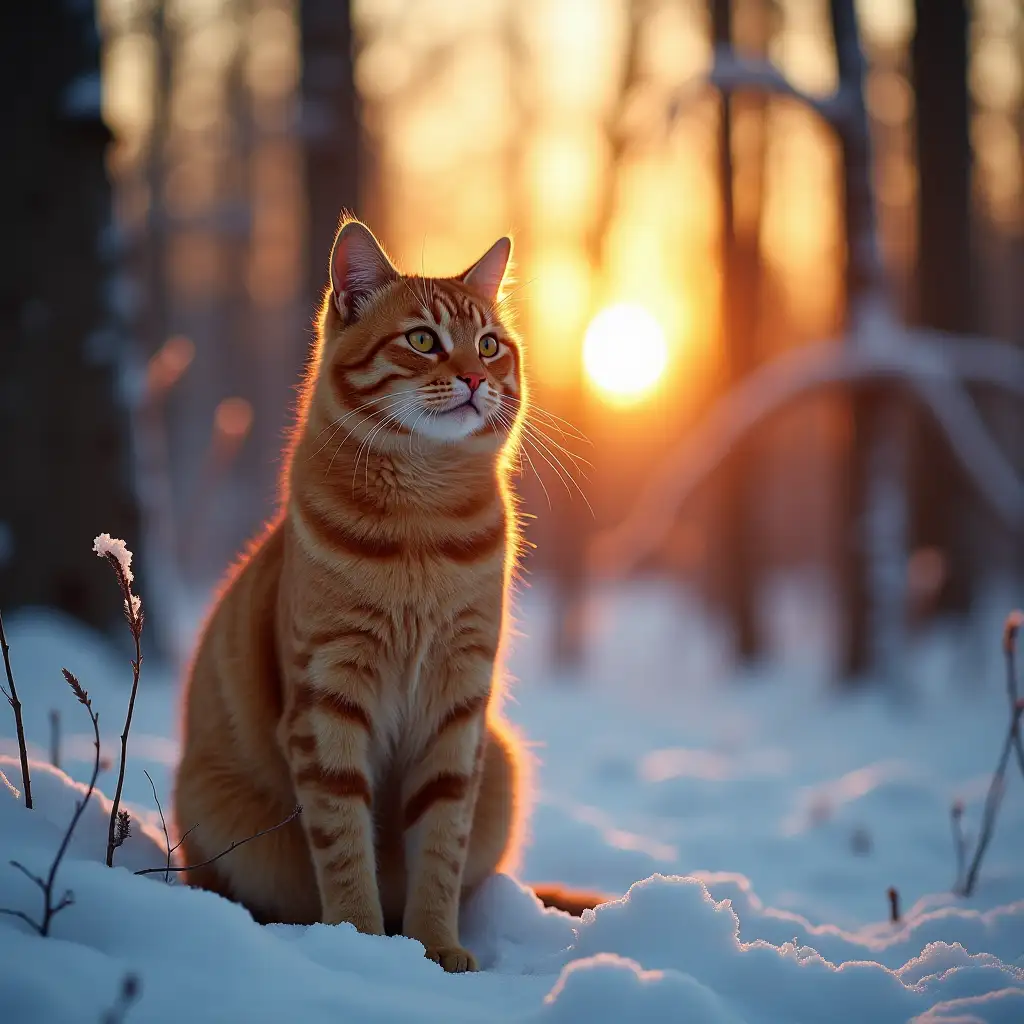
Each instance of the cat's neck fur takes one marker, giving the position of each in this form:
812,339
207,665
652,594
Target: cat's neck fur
421,476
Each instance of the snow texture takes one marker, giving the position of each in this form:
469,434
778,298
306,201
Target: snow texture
105,545
729,813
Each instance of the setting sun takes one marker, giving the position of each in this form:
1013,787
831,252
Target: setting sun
624,351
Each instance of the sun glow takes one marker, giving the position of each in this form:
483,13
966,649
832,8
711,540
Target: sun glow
624,352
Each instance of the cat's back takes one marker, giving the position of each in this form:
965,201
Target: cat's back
233,688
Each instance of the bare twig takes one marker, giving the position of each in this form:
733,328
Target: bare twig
1010,630
163,825
894,904
956,817
119,557
241,842
55,737
51,909
131,985
19,725
997,786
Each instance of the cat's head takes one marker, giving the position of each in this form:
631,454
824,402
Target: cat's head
430,359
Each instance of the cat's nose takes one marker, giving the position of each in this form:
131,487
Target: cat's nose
474,380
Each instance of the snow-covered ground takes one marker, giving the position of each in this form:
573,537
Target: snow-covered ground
759,821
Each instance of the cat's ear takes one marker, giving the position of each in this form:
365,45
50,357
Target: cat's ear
486,275
359,267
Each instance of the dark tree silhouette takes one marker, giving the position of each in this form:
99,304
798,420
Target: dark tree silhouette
64,456
736,558
943,287
330,128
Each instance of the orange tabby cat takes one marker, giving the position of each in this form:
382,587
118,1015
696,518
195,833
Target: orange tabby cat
349,663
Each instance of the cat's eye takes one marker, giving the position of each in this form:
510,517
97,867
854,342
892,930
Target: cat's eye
488,346
423,340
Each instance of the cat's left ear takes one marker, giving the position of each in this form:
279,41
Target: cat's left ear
359,266
486,275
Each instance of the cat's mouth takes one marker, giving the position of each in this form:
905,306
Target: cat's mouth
462,407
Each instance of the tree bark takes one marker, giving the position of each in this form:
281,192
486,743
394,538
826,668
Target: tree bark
872,564
943,287
330,129
736,562
65,468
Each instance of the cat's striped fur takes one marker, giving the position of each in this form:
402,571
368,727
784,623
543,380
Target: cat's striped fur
349,662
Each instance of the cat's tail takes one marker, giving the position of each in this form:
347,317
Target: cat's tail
572,901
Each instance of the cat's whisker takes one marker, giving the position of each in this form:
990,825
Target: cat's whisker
340,421
553,461
563,426
408,404
536,432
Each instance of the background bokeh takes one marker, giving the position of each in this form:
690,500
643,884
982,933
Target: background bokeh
234,131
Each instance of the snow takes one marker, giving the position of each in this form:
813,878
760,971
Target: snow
750,824
111,547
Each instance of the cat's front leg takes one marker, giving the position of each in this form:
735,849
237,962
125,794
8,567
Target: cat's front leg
325,734
439,796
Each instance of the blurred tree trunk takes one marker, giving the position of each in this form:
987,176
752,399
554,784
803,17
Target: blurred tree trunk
65,468
735,543
873,551
943,292
330,129
569,546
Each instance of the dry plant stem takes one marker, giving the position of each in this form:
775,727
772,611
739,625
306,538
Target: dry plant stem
1012,743
163,825
959,845
135,621
993,799
1010,647
51,909
55,737
894,904
241,842
129,992
12,699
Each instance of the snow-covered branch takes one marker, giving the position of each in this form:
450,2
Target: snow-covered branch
931,367
731,73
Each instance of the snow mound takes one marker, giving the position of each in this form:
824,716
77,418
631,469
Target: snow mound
667,951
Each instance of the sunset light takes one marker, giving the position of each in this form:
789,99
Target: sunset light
624,351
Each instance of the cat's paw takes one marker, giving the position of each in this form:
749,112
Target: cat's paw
454,959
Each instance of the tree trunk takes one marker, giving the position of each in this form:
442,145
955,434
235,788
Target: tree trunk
873,546
944,296
330,129
735,557
65,455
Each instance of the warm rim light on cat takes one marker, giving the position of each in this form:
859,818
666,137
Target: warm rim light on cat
624,351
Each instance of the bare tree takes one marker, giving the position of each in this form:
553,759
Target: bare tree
330,128
942,512
736,558
879,361
65,458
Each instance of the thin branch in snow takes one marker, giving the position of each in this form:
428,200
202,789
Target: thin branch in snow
55,737
241,842
131,986
893,895
163,824
12,698
120,558
51,909
997,787
956,817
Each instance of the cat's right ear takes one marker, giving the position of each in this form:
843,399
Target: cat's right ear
359,266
